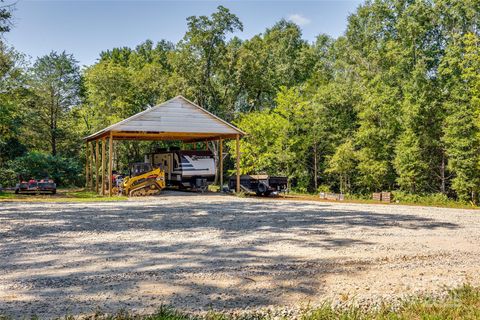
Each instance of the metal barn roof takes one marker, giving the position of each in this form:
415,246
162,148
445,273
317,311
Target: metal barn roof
175,119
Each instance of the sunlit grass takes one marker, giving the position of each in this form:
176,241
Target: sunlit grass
460,303
62,195
410,200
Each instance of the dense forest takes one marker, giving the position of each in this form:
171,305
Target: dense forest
392,104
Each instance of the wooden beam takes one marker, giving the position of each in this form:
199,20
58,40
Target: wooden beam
238,162
91,166
104,143
96,165
110,165
220,152
86,165
182,136
163,135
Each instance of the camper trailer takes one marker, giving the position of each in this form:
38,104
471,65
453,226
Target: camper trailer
186,169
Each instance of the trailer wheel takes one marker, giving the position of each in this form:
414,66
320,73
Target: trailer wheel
262,187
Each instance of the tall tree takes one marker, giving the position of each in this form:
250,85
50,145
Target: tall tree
56,84
277,58
462,128
201,54
13,97
5,16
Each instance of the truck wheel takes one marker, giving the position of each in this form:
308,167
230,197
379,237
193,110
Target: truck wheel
16,191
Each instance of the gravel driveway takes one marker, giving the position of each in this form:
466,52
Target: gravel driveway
201,252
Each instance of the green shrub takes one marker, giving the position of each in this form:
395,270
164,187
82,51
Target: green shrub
426,199
38,165
8,177
323,188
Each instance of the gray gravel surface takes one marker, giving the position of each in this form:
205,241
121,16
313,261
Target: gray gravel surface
203,252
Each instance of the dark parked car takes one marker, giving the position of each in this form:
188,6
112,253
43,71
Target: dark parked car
36,186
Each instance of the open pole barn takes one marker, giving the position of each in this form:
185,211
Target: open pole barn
177,119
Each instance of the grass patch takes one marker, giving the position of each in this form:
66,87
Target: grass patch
62,195
434,200
214,188
460,303
399,198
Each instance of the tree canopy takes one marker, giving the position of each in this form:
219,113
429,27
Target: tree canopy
393,103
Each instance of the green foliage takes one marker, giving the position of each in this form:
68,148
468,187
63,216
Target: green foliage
460,303
55,84
391,104
8,177
324,188
5,16
12,98
263,150
204,61
435,199
38,165
343,163
462,130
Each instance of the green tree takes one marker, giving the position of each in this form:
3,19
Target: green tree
277,58
201,56
13,96
343,164
5,16
55,83
462,129
263,150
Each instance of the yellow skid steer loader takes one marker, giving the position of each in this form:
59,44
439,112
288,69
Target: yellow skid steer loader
143,181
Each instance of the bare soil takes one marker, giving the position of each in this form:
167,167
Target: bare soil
202,252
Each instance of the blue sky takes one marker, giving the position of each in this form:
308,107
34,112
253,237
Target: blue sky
85,28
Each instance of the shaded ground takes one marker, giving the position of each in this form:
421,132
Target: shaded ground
202,252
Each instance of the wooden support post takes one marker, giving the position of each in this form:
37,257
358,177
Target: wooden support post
96,165
220,152
86,165
238,163
91,165
104,145
206,145
110,165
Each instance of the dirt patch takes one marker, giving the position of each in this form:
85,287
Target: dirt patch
203,252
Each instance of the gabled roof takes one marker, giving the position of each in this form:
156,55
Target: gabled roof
175,119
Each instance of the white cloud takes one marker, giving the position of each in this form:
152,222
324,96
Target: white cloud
299,19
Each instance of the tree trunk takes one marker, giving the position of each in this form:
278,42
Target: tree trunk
53,122
315,173
54,144
341,183
442,174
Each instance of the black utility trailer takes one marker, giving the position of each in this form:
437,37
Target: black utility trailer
259,184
